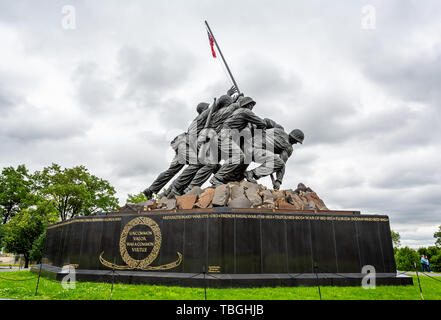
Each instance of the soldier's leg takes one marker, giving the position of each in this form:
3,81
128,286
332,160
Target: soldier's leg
202,175
270,163
185,178
207,168
233,168
163,178
228,173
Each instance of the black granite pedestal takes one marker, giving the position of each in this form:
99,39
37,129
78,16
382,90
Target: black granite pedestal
224,248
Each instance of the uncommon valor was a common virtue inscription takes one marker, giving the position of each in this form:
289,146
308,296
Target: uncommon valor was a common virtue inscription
139,246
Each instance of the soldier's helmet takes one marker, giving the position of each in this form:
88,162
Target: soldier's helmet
224,101
297,135
247,102
301,187
202,107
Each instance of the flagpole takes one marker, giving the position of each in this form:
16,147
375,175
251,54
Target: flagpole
222,56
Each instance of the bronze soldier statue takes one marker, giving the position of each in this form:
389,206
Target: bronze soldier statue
231,149
181,146
187,180
273,151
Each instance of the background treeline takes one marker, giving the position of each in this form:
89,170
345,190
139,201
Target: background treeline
29,202
405,257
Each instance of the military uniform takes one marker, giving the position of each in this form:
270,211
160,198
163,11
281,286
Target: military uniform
185,148
273,152
196,173
230,148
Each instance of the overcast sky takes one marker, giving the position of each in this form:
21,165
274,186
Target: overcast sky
111,93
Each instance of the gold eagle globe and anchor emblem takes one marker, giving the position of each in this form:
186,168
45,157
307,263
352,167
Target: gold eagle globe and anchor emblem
139,246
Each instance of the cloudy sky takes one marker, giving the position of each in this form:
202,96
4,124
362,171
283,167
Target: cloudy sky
113,91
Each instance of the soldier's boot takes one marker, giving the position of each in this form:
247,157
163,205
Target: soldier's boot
165,193
188,189
250,176
215,182
174,192
148,193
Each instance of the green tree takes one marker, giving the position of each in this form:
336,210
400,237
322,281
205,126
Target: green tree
15,191
75,191
136,198
437,236
26,226
422,251
2,235
395,239
36,252
433,251
435,262
405,257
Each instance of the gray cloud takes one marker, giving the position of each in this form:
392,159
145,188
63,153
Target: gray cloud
95,92
28,124
7,100
266,80
26,130
415,78
150,74
415,174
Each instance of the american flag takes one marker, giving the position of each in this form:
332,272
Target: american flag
210,38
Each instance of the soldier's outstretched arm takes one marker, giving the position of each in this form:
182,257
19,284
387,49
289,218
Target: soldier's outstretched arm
284,156
280,174
254,119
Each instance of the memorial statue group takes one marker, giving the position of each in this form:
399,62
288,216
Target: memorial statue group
223,140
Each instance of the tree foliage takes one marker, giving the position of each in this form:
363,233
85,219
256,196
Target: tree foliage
435,261
26,226
75,191
437,236
395,239
29,202
405,258
136,198
36,252
15,191
2,235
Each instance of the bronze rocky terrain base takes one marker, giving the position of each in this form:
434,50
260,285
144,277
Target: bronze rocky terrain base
242,194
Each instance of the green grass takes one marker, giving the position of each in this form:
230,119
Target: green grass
52,290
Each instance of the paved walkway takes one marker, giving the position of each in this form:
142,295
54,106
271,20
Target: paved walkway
432,274
7,269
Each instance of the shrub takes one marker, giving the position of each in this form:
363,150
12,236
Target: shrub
36,253
405,258
435,262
